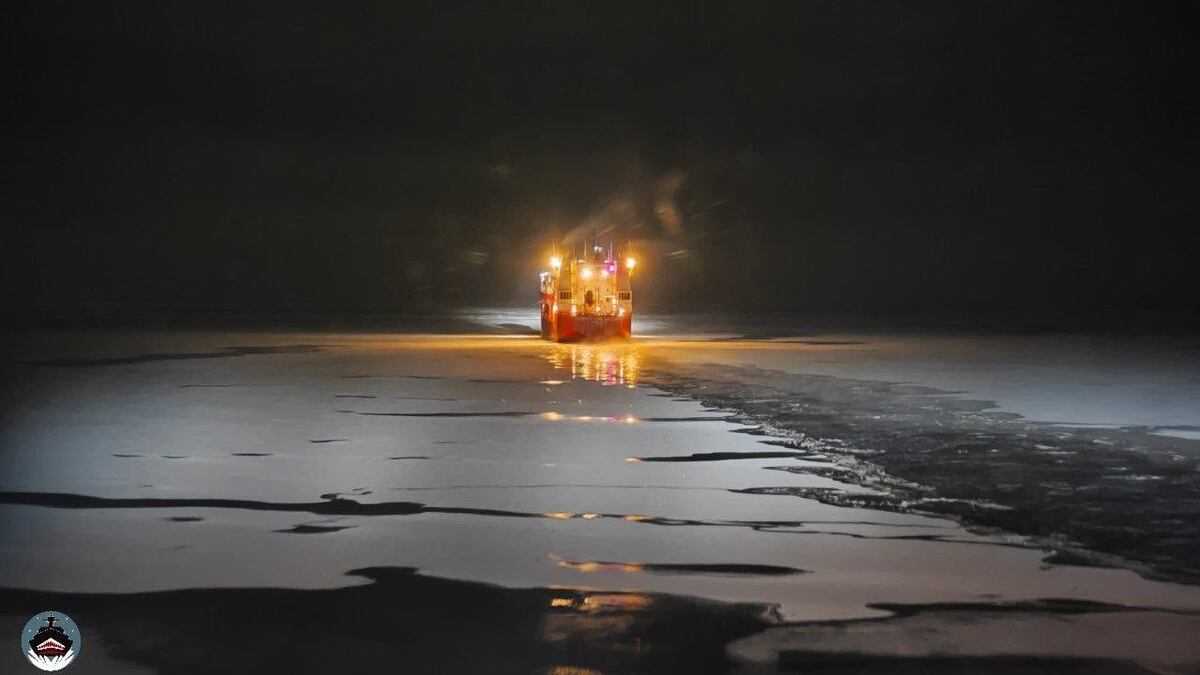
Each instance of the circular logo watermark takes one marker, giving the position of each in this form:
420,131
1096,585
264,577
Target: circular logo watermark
51,640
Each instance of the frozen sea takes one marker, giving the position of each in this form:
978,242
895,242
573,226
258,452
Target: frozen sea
787,475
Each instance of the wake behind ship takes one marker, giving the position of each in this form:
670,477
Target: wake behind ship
589,297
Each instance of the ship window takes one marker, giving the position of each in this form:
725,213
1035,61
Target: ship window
564,295
624,295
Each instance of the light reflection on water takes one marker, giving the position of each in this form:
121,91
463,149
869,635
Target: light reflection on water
608,618
552,416
602,602
589,566
615,364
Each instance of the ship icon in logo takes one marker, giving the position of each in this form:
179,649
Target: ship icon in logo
52,639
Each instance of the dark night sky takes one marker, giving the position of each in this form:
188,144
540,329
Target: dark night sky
957,156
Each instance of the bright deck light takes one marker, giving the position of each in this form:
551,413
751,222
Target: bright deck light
629,263
586,273
556,262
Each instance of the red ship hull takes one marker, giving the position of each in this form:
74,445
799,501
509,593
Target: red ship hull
563,327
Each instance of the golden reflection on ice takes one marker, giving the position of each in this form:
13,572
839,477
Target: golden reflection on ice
589,566
552,416
569,515
604,617
601,601
606,364
609,601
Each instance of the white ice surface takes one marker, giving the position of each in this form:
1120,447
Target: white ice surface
561,465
